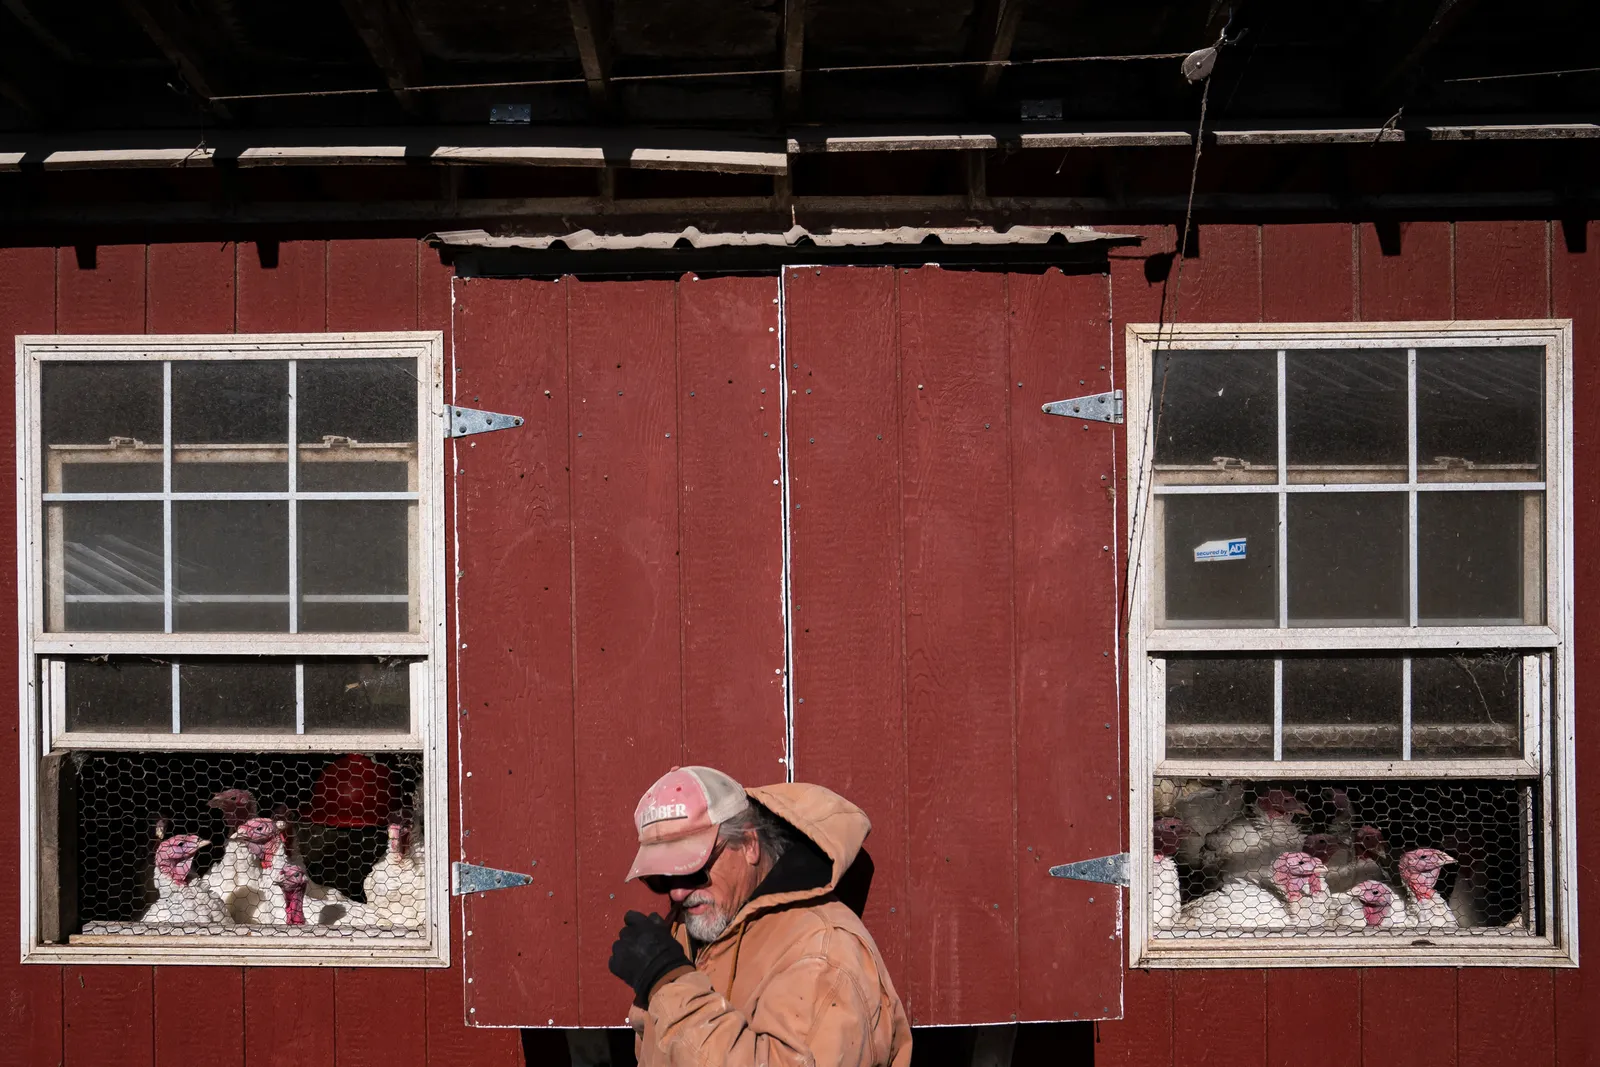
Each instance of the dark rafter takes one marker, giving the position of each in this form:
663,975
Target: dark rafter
386,32
1444,20
794,47
994,30
592,29
178,36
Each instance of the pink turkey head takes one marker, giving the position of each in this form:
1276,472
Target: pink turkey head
399,839
1375,899
1280,804
175,856
1369,843
1168,832
1298,874
236,805
1419,869
262,837
293,881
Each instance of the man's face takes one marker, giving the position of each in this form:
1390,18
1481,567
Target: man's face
730,877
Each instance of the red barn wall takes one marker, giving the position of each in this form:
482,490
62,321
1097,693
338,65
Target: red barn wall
1237,1018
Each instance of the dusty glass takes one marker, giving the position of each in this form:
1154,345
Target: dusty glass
104,566
1216,417
1466,706
1480,414
343,696
1341,707
236,696
1346,416
231,563
119,695
357,425
1480,557
230,426
1219,707
355,566
1347,559
1221,559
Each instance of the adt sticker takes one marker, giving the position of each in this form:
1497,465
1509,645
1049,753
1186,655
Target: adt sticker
1232,548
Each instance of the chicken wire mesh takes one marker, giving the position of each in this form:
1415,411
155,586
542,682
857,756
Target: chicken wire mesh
1236,858
255,845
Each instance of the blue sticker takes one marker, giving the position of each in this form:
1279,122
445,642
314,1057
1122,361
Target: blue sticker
1211,551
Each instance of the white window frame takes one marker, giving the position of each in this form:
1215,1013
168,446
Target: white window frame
1547,762
41,731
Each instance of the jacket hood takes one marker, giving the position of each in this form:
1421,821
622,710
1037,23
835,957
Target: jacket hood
833,824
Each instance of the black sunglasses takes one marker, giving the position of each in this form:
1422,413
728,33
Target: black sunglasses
663,884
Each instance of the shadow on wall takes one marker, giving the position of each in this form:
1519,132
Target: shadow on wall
1029,1045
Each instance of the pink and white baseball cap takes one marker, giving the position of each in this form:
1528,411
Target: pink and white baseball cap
677,820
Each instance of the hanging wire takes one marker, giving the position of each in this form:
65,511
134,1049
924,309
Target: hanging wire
1530,74
698,75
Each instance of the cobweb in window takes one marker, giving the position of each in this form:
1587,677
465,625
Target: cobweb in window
1412,859
243,845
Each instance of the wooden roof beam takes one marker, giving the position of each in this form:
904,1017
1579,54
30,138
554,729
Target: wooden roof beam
393,47
178,36
591,26
794,47
1444,20
994,31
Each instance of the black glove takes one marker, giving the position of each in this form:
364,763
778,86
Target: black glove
644,951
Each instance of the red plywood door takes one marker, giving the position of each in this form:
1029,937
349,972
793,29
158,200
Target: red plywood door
620,602
954,595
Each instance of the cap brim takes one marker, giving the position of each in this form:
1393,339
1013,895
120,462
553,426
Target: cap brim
684,855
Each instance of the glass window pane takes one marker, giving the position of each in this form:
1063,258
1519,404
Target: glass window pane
1346,415
104,567
1480,414
101,427
236,696
232,565
230,425
1480,557
355,566
1216,417
1341,707
1219,706
357,424
347,695
1347,559
1221,559
121,695
1464,706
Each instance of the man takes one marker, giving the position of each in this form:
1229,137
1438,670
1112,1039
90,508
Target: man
759,963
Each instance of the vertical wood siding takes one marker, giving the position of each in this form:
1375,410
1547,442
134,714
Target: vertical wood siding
527,337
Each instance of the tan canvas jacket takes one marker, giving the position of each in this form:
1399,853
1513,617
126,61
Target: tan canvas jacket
795,980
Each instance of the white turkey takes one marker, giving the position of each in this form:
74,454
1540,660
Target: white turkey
397,886
1204,807
322,906
178,899
1419,871
236,872
1301,899
1247,846
1165,890
1351,859
1370,905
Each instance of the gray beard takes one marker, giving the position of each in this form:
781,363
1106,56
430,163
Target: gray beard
707,928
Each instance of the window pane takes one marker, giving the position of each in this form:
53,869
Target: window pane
232,564
104,567
1480,557
1341,707
230,425
1221,559
358,424
1212,881
101,414
236,696
1219,706
348,695
1480,414
1346,416
1216,417
121,694
1347,559
355,566
1466,706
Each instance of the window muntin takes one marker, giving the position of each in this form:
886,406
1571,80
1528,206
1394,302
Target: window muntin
1349,572
236,586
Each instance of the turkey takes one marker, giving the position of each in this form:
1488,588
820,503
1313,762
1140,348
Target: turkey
397,886
291,882
1165,891
1301,901
1370,905
1351,859
1419,870
1246,847
235,873
178,899
321,905
1204,809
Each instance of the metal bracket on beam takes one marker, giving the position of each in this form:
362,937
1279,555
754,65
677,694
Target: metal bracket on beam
464,422
468,878
1099,407
1111,870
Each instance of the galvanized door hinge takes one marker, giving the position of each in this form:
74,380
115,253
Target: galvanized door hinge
469,878
463,422
1112,870
1097,407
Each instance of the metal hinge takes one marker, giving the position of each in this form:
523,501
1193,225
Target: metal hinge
463,422
1098,407
1112,870
469,878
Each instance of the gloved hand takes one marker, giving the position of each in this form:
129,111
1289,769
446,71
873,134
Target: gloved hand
644,951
